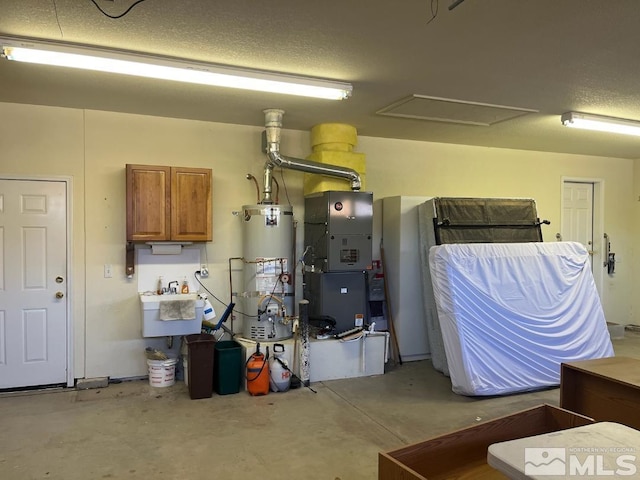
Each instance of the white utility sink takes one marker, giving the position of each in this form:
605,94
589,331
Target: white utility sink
152,326
167,297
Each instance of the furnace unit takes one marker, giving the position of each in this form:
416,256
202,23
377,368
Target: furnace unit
337,233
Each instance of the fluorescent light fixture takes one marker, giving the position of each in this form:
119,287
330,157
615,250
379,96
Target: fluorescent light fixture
128,63
603,124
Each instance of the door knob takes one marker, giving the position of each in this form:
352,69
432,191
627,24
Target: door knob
59,294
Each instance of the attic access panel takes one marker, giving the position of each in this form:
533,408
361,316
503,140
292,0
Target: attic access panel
486,220
422,107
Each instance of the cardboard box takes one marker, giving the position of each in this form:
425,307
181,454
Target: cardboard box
463,454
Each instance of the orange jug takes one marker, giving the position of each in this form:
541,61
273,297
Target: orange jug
258,373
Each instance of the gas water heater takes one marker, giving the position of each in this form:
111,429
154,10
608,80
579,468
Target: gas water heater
267,297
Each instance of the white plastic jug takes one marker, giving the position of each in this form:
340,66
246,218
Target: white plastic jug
280,375
208,311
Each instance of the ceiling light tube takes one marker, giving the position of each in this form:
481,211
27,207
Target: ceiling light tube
599,123
127,63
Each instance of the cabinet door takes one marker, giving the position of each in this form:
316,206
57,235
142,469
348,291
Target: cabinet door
148,208
191,204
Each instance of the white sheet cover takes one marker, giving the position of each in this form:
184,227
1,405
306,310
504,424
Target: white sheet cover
426,214
510,314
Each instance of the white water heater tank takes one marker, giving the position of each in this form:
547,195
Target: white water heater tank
267,296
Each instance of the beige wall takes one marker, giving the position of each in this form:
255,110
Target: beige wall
635,234
454,170
49,142
93,147
112,141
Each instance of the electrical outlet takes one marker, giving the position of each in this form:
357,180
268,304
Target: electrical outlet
204,271
108,272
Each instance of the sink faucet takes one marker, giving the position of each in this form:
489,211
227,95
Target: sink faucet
173,289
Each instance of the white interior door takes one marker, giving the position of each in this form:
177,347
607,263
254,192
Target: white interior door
577,214
33,283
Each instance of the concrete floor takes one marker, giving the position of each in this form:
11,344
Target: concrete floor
131,430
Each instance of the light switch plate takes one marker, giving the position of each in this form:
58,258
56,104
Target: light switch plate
108,272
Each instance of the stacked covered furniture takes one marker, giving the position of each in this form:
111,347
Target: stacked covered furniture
504,309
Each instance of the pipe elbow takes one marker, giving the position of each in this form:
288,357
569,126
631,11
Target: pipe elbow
274,159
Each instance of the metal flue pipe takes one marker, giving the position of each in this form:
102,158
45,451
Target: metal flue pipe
273,127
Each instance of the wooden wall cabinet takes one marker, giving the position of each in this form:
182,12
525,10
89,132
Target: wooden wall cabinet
168,204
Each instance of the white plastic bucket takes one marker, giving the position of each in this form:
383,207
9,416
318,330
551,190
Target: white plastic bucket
162,373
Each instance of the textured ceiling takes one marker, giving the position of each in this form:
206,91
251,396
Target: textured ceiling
550,56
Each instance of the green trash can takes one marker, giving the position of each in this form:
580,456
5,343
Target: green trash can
200,349
227,367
